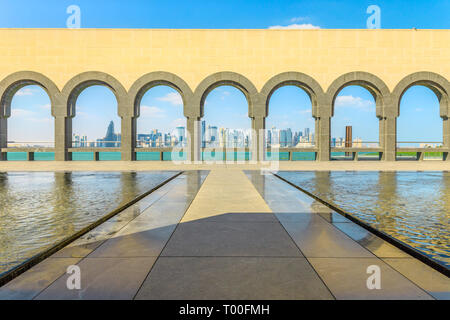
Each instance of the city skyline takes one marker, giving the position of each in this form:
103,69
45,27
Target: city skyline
214,136
289,107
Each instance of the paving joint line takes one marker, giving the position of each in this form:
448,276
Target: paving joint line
163,184
298,248
170,237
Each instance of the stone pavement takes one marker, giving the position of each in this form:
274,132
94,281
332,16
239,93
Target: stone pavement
229,234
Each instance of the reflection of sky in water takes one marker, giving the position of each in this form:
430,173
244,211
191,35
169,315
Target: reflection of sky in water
39,209
413,207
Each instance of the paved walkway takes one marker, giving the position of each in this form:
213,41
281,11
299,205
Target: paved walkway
229,235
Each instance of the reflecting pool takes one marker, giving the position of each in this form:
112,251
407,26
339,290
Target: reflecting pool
39,209
413,207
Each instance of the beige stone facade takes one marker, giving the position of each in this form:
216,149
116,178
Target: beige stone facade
322,62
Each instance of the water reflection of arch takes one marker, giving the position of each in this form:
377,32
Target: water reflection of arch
128,186
63,187
445,196
322,182
64,203
436,83
387,197
444,217
4,186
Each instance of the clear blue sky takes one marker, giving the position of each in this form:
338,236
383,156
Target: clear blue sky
225,106
223,14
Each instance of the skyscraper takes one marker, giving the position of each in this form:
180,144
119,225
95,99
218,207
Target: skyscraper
111,139
180,135
75,140
333,142
348,138
110,135
306,134
212,135
295,139
288,137
269,138
283,138
275,136
223,137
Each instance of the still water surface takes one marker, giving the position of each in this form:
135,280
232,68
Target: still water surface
413,207
39,209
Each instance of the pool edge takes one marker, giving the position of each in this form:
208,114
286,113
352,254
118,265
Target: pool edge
397,243
29,263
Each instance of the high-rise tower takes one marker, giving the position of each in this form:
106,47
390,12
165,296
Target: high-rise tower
348,138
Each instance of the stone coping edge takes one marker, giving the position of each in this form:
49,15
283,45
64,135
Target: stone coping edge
397,243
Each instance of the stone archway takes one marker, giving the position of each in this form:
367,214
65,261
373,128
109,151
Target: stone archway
384,111
8,88
145,83
436,83
195,110
315,93
66,111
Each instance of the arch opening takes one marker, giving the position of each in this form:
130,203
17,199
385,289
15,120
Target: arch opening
225,123
30,123
420,124
93,110
354,123
160,121
289,122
